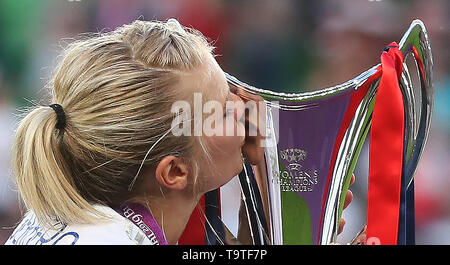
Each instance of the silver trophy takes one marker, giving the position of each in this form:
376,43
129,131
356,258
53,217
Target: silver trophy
295,194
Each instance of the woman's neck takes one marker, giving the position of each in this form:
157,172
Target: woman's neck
172,214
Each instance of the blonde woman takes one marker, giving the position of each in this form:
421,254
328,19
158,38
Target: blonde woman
100,165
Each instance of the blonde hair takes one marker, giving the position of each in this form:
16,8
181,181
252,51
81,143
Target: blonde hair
116,90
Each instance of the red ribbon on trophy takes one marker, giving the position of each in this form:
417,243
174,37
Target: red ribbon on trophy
386,152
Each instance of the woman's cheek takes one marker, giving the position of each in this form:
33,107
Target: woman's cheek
235,130
227,160
241,132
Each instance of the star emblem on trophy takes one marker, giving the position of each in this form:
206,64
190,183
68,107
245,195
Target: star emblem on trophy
293,155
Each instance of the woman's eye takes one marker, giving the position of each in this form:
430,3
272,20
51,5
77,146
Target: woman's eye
233,89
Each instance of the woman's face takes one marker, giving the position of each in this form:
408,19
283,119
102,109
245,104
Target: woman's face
223,132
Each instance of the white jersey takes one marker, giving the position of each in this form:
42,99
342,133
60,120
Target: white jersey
116,231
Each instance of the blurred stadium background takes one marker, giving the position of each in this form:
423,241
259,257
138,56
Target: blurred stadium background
277,44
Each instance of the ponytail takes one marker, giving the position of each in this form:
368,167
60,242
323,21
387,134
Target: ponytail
42,173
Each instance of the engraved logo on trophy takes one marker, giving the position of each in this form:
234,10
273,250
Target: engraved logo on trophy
295,177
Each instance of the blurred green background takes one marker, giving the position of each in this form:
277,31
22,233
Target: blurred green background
274,44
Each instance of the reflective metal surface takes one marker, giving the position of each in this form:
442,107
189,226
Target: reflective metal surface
418,117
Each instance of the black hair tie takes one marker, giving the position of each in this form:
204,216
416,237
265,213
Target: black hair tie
61,124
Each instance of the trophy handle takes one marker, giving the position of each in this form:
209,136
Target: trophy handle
415,43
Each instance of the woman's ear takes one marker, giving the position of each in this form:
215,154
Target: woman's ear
172,173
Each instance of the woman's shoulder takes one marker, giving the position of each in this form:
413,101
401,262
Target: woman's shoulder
117,230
